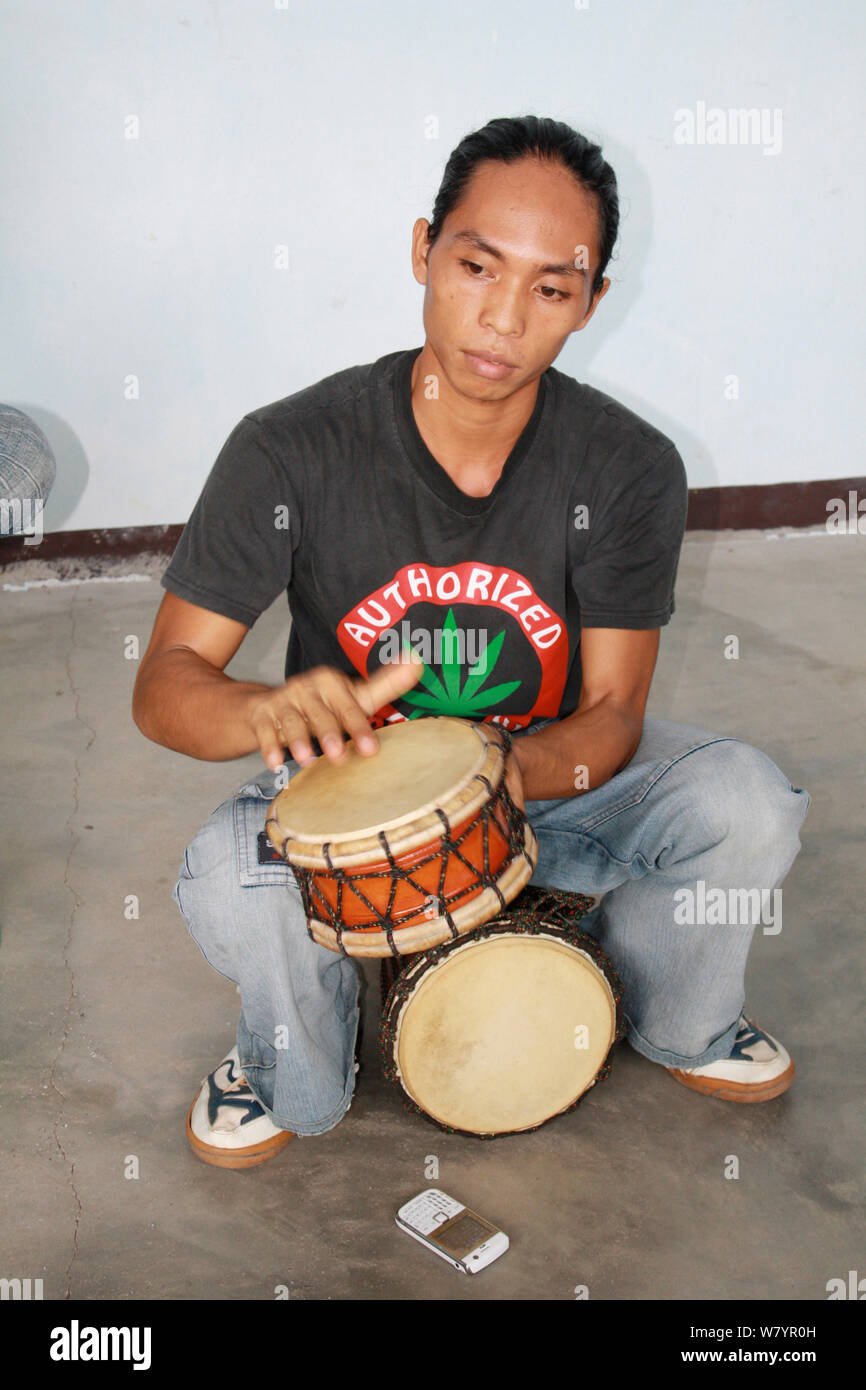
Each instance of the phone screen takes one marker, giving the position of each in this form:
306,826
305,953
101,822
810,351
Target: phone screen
461,1234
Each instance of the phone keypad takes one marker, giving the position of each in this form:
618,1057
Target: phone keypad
430,1210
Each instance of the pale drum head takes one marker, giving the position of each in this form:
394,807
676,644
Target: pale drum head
371,838
421,765
504,1033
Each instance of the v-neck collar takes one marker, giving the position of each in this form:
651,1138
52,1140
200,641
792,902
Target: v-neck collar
432,472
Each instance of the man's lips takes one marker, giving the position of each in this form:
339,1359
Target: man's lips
490,357
488,365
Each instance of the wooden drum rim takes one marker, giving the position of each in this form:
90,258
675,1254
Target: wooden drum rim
409,983
417,828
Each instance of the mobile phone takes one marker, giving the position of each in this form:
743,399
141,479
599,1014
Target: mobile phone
459,1235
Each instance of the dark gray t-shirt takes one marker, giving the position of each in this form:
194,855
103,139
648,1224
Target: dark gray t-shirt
333,495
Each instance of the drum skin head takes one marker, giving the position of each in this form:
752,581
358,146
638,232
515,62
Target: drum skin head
384,872
420,764
504,1033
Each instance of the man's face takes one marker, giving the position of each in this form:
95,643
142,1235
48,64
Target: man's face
509,275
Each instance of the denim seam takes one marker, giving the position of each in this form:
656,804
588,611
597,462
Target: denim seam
597,844
718,1050
262,1066
253,874
195,939
333,1119
240,827
634,798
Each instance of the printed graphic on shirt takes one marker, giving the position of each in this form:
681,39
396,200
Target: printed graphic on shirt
491,649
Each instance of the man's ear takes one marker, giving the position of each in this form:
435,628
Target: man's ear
594,303
420,250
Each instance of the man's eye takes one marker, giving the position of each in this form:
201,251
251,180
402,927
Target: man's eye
548,292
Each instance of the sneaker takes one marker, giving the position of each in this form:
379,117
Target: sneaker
226,1125
758,1068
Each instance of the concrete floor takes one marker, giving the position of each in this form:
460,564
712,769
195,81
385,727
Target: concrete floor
108,1024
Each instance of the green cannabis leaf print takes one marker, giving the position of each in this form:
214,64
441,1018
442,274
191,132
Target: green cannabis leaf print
446,696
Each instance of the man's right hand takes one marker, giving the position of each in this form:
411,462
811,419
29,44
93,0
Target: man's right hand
326,704
184,700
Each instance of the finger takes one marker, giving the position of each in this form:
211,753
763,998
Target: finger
302,751
323,723
353,719
269,740
388,682
292,733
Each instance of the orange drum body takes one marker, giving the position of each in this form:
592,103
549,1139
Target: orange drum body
409,847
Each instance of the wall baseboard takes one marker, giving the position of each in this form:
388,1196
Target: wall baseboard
710,509
768,505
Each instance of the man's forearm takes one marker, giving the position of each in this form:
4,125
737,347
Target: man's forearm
184,703
577,754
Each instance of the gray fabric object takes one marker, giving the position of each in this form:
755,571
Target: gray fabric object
27,470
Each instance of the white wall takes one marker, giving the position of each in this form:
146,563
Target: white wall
305,126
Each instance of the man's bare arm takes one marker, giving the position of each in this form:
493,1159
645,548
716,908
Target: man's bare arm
604,731
184,700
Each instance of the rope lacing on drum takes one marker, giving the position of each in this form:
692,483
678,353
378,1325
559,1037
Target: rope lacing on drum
317,906
533,910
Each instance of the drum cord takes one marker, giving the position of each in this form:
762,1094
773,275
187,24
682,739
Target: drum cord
349,881
532,910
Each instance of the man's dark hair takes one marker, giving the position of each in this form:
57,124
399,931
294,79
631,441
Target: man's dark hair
509,138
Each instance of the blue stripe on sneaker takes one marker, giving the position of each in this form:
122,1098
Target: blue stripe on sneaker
747,1037
243,1099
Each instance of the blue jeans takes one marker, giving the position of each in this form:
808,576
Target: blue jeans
692,811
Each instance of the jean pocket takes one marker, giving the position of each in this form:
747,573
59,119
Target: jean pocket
255,869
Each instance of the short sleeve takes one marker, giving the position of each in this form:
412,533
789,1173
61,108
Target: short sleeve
626,576
235,553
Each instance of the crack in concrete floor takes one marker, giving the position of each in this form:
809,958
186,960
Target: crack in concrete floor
72,995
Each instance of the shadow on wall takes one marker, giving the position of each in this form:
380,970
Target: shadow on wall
620,312
73,469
